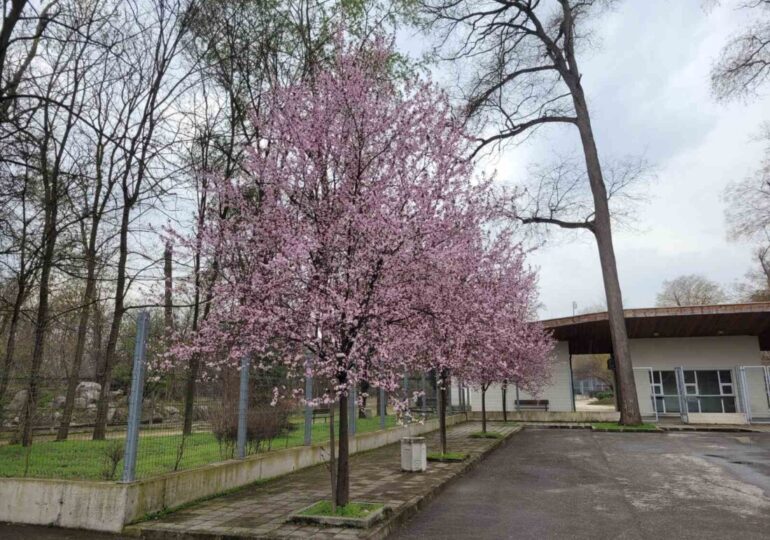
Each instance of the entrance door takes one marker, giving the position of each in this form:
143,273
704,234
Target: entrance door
644,380
755,392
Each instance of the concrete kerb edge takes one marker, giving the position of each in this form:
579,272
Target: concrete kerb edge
400,517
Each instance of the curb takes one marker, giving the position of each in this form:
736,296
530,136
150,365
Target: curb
410,510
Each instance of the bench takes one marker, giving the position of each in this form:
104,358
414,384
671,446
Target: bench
321,412
531,405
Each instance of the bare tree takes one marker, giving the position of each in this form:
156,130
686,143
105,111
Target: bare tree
690,290
744,64
152,87
526,75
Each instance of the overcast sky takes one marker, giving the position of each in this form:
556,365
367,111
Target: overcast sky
647,82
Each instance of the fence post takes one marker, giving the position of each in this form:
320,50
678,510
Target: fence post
381,402
352,411
243,405
308,410
135,399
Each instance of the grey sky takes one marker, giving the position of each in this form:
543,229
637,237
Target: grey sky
647,79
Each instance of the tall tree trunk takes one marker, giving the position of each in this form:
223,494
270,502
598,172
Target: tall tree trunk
168,292
41,320
10,346
628,404
483,408
88,298
105,375
342,494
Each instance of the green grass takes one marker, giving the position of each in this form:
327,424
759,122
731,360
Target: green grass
614,426
449,456
350,510
486,435
85,459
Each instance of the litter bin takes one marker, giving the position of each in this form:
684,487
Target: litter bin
414,454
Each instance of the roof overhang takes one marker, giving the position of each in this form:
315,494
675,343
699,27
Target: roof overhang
590,333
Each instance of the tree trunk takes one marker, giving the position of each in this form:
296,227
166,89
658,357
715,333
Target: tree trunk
10,347
332,459
88,297
41,321
628,404
342,494
105,377
189,393
505,408
442,411
168,290
483,408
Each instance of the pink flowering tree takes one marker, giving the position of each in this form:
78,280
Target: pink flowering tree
479,324
323,249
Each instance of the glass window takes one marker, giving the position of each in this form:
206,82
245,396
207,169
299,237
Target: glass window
711,404
725,376
693,406
708,384
668,379
729,403
689,377
727,389
671,405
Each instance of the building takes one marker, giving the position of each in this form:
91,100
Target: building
700,364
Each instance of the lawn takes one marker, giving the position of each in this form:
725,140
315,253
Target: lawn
614,426
86,460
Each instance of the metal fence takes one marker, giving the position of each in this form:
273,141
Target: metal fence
232,416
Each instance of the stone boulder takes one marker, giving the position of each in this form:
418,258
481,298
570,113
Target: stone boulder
18,401
89,391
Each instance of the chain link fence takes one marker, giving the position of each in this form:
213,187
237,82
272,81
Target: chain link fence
231,416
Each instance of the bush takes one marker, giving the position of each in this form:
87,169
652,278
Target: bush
263,424
604,395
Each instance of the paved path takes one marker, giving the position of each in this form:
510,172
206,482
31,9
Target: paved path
550,484
262,510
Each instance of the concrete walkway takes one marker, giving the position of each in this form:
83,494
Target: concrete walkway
261,511
580,484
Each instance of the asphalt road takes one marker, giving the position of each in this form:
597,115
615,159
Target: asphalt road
548,484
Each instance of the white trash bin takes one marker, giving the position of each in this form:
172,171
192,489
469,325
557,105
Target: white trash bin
414,454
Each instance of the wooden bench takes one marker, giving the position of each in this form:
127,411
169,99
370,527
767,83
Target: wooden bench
531,404
321,412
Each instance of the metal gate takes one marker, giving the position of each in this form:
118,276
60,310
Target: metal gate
755,392
645,393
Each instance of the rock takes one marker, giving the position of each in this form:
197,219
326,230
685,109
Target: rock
81,403
18,401
119,416
170,410
89,391
200,412
57,416
116,394
58,402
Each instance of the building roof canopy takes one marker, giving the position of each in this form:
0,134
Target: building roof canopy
590,333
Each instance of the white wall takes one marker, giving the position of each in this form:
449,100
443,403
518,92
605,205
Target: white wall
719,352
557,392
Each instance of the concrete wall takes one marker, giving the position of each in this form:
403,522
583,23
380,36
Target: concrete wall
558,392
108,506
542,416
